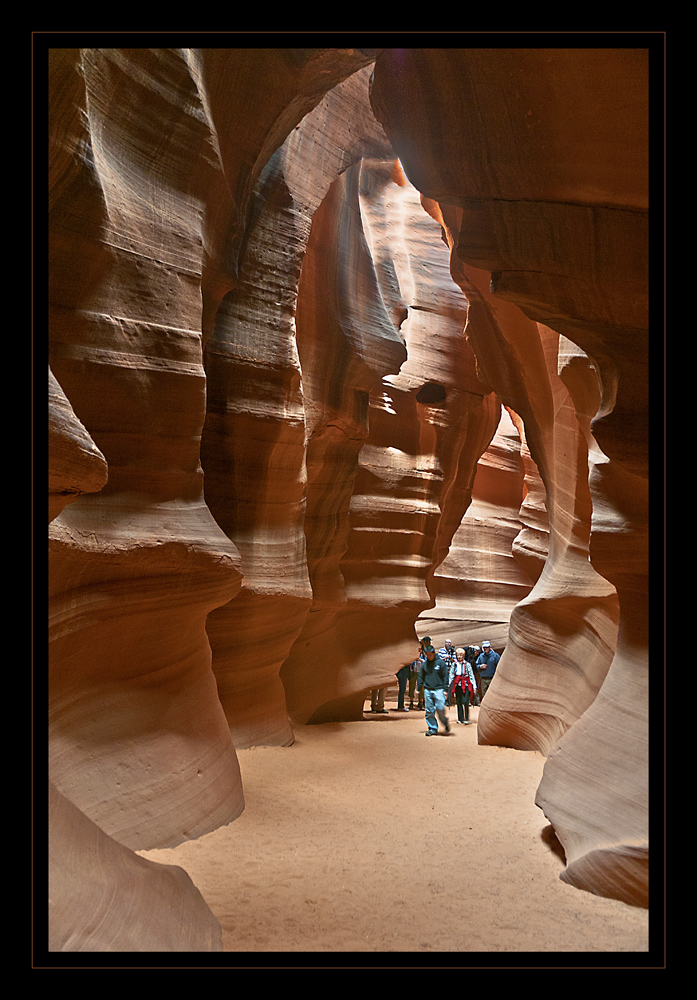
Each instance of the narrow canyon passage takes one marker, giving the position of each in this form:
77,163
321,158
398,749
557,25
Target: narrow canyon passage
367,837
346,345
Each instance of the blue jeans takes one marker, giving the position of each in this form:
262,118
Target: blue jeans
435,705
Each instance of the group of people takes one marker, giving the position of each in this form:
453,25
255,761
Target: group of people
461,674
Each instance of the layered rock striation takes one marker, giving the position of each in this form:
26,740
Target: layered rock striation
336,347
262,378
154,154
395,429
547,220
481,580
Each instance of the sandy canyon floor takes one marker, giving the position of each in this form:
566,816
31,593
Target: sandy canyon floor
369,837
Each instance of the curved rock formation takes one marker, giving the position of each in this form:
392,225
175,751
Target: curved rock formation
481,580
547,218
154,155
257,421
603,855
144,554
395,430
277,372
105,898
75,463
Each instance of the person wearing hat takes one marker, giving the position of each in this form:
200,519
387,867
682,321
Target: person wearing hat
447,655
414,676
487,661
433,681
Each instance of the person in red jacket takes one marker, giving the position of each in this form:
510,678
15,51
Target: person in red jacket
463,686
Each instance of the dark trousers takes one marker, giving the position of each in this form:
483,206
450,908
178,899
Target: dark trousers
462,699
402,678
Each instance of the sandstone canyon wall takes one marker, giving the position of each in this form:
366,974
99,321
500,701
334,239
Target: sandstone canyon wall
482,579
154,155
389,477
545,201
282,378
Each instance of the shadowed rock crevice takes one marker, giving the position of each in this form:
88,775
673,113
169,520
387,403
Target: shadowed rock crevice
431,394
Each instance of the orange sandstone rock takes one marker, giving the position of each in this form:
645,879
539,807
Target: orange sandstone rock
154,154
316,373
537,160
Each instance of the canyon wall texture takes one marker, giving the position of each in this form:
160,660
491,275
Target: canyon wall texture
544,197
304,394
481,580
154,155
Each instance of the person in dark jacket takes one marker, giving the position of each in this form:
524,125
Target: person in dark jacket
487,661
418,664
471,655
433,681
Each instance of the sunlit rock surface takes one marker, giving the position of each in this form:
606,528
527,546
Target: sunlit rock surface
395,431
105,898
299,403
547,219
254,442
481,580
153,159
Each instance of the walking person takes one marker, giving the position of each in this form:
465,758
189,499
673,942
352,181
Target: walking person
487,661
425,641
433,681
463,686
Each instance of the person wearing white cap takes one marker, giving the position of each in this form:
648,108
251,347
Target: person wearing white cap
487,661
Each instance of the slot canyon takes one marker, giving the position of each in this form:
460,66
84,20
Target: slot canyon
347,346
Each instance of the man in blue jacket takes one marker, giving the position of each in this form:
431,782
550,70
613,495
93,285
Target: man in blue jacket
433,681
487,662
